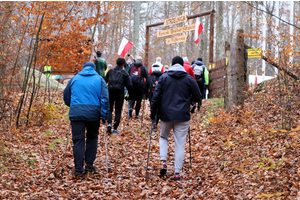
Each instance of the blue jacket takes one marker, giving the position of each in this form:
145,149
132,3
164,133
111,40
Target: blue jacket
173,95
87,95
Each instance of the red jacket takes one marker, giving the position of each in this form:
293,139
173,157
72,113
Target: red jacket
189,69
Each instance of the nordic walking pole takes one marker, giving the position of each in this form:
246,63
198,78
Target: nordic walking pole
190,147
143,113
63,168
148,152
128,115
106,154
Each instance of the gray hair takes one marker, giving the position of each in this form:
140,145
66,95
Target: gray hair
185,59
139,58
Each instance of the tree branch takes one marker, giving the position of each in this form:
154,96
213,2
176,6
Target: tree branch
271,62
272,15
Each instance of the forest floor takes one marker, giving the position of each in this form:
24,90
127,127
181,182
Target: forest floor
239,154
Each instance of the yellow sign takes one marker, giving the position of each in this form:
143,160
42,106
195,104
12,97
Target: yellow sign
175,20
254,53
213,66
177,30
176,39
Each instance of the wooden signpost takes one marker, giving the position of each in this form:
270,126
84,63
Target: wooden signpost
183,38
177,30
175,20
177,39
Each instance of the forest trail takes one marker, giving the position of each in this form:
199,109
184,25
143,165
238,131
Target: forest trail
233,156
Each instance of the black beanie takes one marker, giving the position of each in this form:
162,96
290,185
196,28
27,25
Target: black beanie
199,59
177,59
98,53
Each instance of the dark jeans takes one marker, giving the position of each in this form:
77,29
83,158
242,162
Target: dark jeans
201,87
156,119
137,106
84,150
118,101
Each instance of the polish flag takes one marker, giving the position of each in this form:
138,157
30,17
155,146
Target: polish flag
198,30
124,47
255,81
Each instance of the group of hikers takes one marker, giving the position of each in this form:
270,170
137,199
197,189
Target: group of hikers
97,90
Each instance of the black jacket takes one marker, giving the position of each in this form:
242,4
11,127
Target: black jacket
173,95
144,74
154,76
126,82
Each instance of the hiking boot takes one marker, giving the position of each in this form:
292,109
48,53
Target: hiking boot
109,128
154,127
90,168
115,131
130,112
176,177
78,175
163,170
137,117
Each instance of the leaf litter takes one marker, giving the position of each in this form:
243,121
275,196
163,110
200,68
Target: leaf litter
239,154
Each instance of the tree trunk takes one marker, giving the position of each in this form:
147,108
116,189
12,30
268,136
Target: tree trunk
219,33
180,9
136,25
240,68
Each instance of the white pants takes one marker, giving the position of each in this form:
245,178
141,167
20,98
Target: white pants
180,131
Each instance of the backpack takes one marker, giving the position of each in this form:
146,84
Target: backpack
199,73
154,83
135,75
115,80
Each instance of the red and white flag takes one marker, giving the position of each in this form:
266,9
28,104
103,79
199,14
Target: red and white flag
198,30
124,47
255,80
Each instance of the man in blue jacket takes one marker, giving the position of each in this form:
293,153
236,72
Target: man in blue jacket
172,98
87,96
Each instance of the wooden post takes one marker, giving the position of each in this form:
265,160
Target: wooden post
211,37
227,78
147,47
230,80
240,68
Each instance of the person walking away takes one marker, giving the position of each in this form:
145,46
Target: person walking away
158,65
138,72
48,70
199,74
87,96
188,67
151,84
166,68
172,97
129,61
206,78
117,78
100,64
109,66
